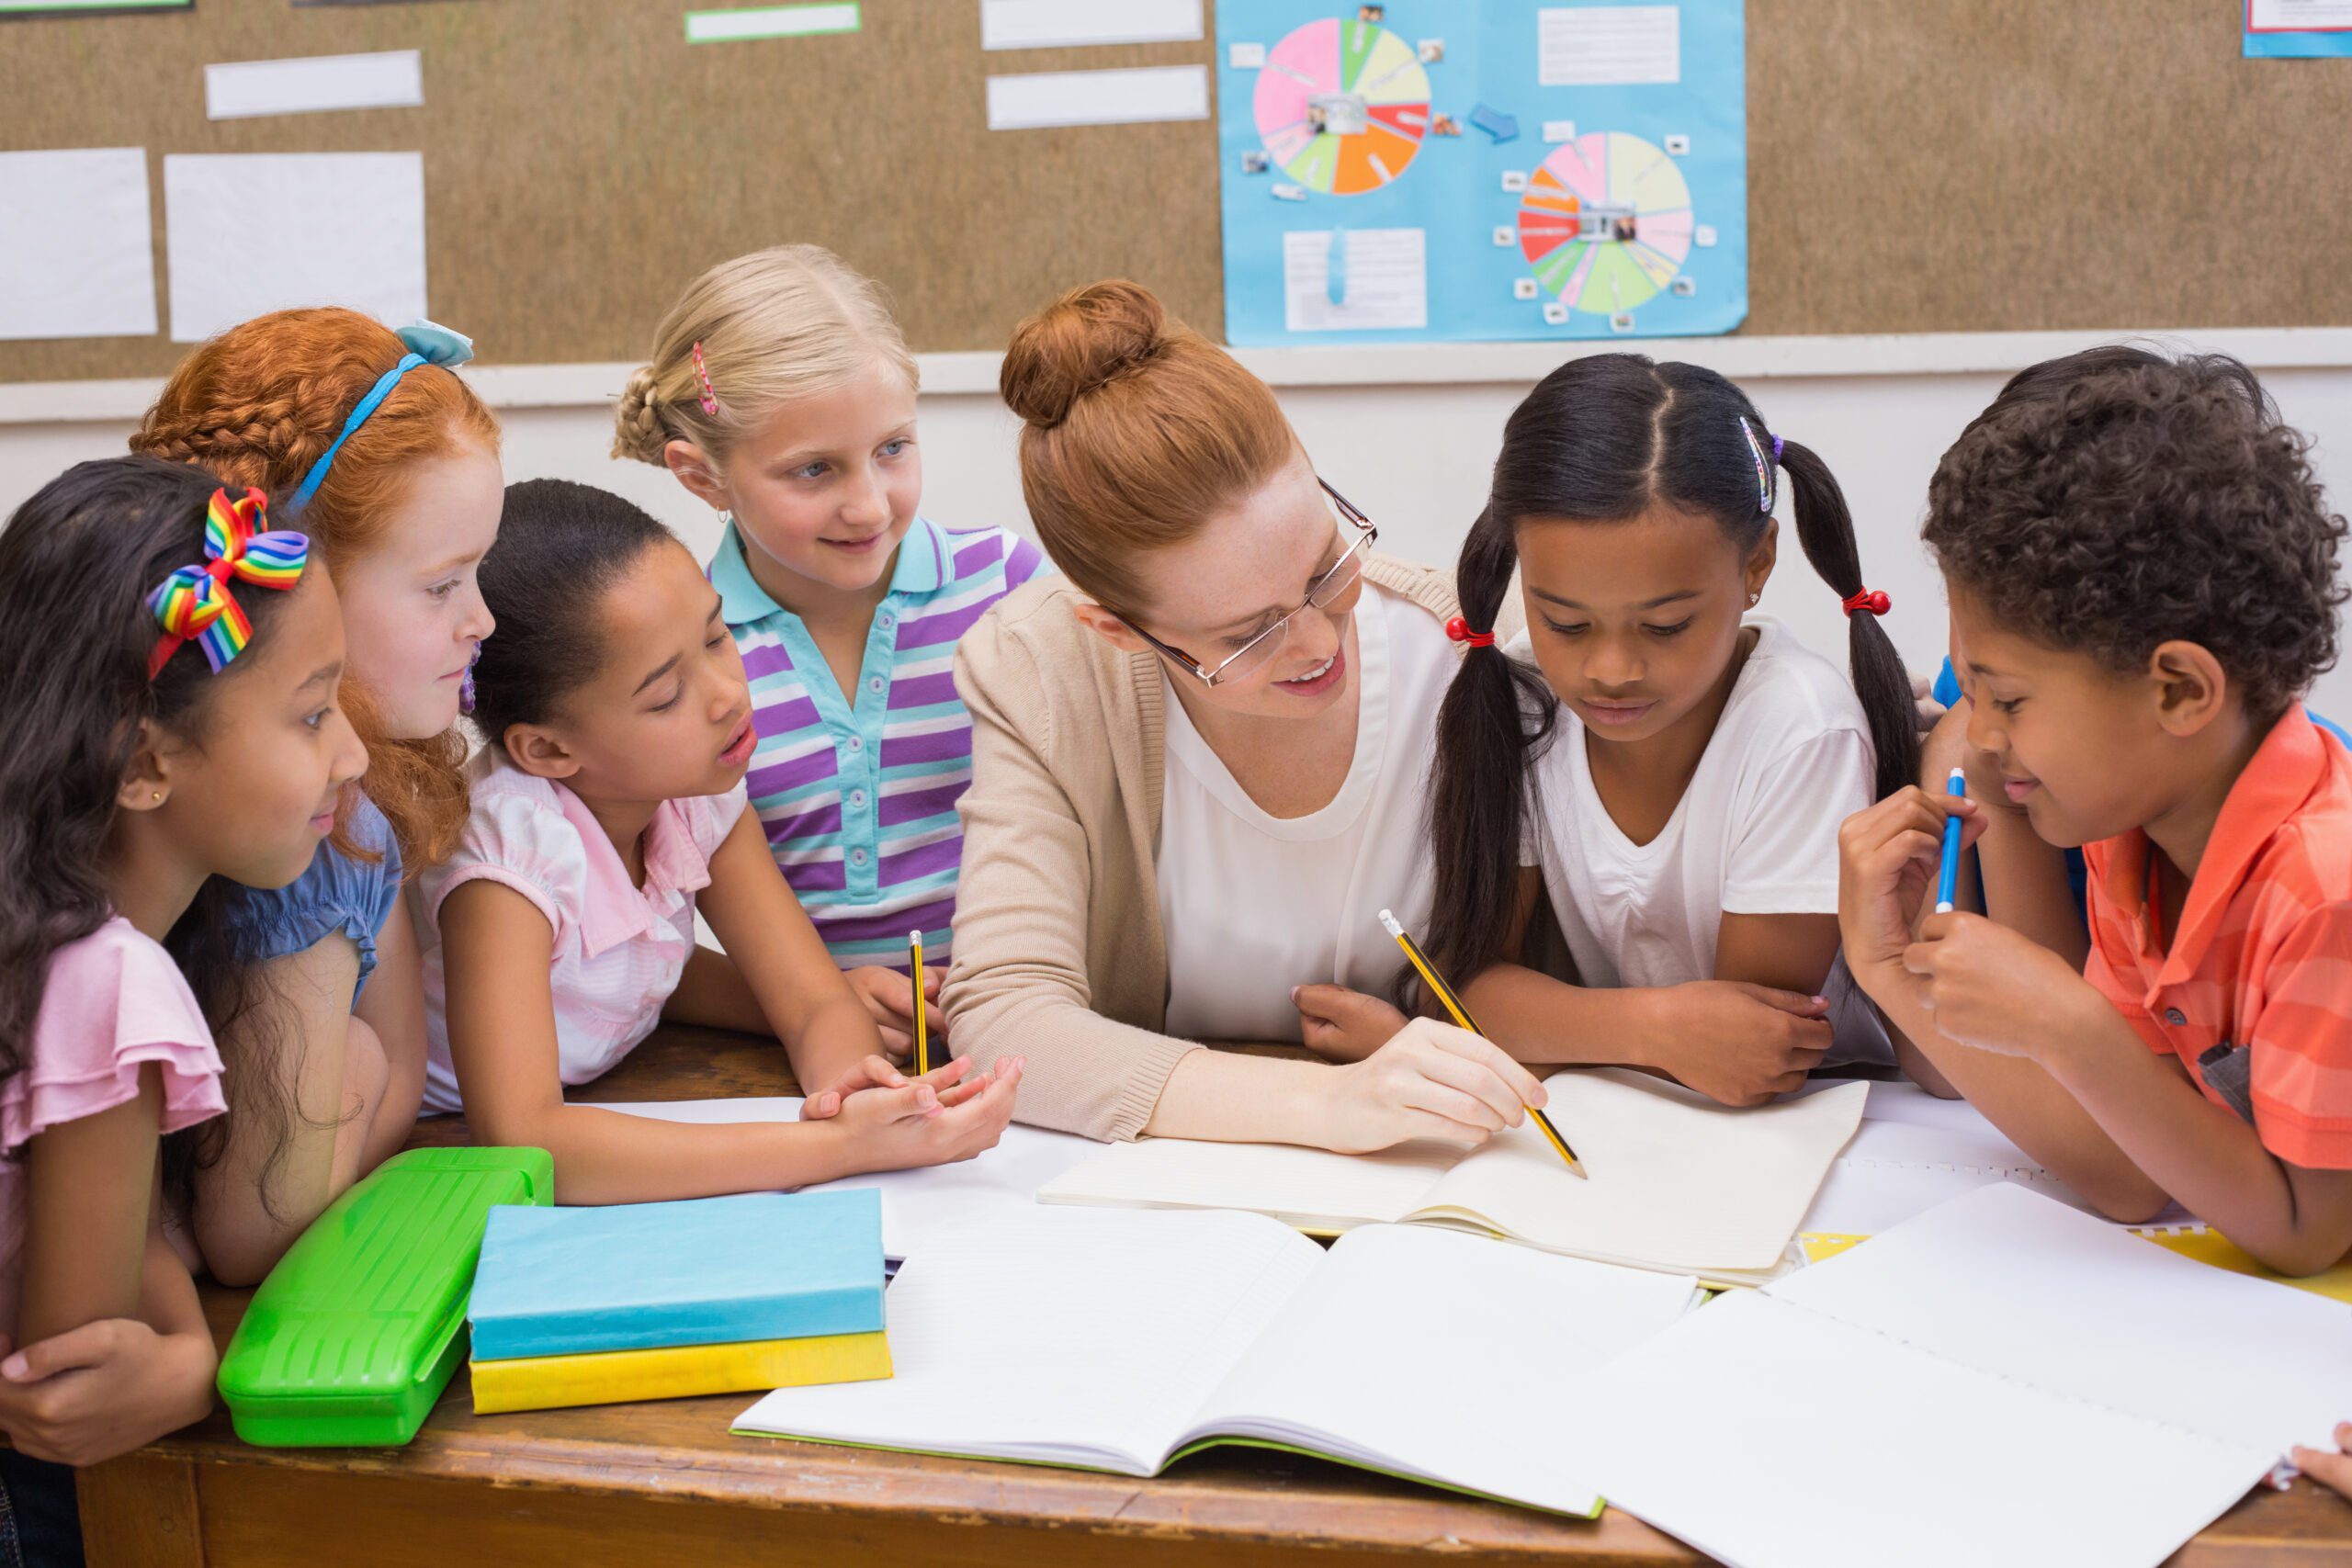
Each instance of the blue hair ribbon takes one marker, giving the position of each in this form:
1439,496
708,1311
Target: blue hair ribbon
428,344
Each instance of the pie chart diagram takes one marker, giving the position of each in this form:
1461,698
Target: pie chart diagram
1343,106
1605,222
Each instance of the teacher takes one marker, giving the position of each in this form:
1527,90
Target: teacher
1199,758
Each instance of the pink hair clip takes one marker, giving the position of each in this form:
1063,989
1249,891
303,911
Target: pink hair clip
702,378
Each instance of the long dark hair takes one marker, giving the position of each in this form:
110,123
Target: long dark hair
1603,439
77,561
560,546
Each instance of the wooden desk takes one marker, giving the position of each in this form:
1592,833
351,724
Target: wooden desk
665,1482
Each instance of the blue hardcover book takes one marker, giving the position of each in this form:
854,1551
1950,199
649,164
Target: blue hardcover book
704,1271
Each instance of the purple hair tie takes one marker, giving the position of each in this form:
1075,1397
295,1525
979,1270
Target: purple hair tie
1775,448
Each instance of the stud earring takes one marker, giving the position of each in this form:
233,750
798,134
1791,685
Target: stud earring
156,798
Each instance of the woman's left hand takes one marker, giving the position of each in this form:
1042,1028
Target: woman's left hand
1341,1025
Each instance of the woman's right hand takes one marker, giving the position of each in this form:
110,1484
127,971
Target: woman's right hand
1741,1043
1430,1080
925,1122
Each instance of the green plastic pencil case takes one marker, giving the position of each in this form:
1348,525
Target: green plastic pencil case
354,1334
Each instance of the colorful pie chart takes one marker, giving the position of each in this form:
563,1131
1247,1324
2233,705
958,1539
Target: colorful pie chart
1342,106
1606,221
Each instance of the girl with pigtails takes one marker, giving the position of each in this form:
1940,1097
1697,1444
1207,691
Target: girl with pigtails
1652,763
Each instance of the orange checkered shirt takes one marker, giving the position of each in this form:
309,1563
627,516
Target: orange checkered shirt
2254,994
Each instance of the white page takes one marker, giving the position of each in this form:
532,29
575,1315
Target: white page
1771,1437
1062,1335
77,255
1893,1171
1314,1189
2031,1290
239,90
2296,15
1098,97
1672,1180
1419,1304
918,1206
343,228
1593,46
1384,280
1057,24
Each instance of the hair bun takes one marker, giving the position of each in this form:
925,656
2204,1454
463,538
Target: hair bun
1083,340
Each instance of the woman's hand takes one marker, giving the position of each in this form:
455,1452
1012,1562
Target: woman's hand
1341,1025
104,1389
889,997
1741,1043
947,1080
1430,1081
2333,1470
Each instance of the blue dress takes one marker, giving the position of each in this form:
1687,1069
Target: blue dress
337,894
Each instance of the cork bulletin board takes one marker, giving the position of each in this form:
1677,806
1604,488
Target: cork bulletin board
1961,165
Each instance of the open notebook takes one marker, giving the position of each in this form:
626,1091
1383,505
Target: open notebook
1673,1181
1115,1341
2002,1379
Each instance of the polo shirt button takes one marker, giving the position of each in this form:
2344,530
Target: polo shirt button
875,685
886,620
857,857
857,742
857,797
2175,1016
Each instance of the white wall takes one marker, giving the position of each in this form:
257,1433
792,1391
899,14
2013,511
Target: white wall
1409,435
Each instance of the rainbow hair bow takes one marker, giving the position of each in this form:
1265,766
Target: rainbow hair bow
193,602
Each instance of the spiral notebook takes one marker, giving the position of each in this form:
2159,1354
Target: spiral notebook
1121,1341
1673,1181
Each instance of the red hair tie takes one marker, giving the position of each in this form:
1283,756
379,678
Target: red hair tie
1866,599
1458,630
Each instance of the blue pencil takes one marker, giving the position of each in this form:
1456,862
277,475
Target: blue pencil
1948,879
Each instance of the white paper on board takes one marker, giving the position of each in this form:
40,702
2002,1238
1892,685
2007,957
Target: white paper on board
1385,274
1593,46
344,229
1042,98
240,90
77,252
2298,15
1060,24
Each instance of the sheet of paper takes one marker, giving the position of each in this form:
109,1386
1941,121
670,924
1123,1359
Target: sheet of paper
77,255
1314,1189
1058,24
1770,1436
2299,15
1895,1170
741,23
1594,46
1383,275
393,79
1041,98
2030,1290
343,228
918,1206
1304,1382
1672,1180
1059,1334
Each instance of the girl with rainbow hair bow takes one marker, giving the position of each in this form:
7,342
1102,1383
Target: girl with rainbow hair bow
138,771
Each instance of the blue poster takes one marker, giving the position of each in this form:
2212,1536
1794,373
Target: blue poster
2290,29
1482,169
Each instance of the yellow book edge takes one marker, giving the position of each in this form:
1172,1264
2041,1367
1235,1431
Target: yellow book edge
677,1371
2204,1243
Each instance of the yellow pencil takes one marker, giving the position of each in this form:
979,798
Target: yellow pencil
922,1033
1444,993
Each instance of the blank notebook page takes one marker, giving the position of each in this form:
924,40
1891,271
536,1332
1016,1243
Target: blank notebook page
1075,1336
1451,1356
1309,1187
1672,1180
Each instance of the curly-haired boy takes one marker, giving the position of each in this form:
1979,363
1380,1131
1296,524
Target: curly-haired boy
2142,576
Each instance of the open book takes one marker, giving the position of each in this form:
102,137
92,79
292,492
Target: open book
1115,1341
2002,1379
1672,1181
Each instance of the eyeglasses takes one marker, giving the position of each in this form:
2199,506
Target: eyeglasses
1321,593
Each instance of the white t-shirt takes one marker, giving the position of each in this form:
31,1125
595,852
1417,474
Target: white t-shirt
1756,833
1252,905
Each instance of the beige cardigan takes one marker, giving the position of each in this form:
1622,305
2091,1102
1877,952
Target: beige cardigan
1059,953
